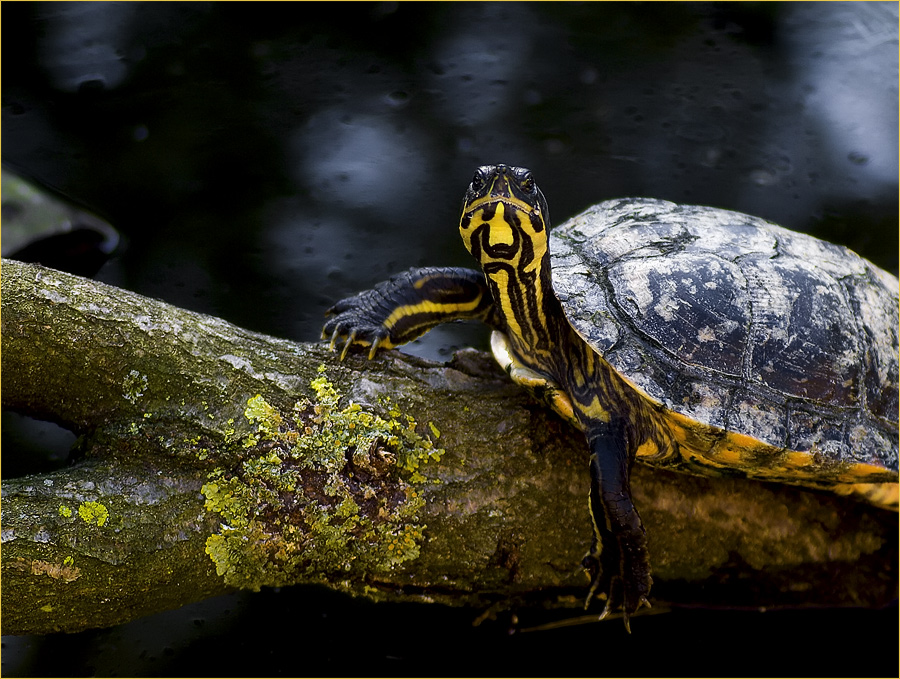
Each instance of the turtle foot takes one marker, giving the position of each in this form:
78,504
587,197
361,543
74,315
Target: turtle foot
400,309
626,589
359,321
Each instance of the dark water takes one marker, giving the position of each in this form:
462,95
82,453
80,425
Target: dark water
261,161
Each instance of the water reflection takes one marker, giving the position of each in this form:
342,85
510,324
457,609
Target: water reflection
481,62
360,161
86,42
844,61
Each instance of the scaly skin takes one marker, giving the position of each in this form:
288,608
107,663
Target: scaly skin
504,225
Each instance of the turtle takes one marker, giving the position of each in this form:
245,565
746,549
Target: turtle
687,337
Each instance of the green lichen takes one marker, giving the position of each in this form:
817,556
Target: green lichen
94,513
325,493
266,418
65,511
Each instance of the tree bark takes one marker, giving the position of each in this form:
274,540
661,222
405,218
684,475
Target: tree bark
213,458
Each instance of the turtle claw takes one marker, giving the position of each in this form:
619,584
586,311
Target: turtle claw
375,344
626,614
626,590
347,343
609,608
343,338
604,614
334,338
353,322
643,601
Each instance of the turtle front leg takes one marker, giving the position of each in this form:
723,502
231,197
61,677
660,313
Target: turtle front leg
409,304
618,563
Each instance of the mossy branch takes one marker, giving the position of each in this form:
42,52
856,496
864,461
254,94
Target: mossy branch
213,458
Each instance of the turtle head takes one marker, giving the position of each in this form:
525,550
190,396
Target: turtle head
505,219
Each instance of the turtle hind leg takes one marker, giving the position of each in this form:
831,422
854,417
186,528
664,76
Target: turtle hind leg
618,563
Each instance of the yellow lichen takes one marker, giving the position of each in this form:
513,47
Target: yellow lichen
93,512
276,530
267,418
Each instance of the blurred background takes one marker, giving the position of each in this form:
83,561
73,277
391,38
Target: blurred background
260,161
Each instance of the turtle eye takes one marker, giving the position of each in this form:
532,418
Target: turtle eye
527,183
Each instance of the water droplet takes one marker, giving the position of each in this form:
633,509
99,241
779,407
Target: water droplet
762,176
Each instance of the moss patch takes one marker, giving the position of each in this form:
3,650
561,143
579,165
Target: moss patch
325,493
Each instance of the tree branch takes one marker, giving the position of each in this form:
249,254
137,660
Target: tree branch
212,457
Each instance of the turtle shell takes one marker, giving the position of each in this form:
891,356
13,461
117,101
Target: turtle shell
737,324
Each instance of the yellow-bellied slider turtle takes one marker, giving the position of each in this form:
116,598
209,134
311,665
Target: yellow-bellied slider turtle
687,337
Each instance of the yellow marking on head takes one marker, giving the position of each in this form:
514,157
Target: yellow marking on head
502,200
500,232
